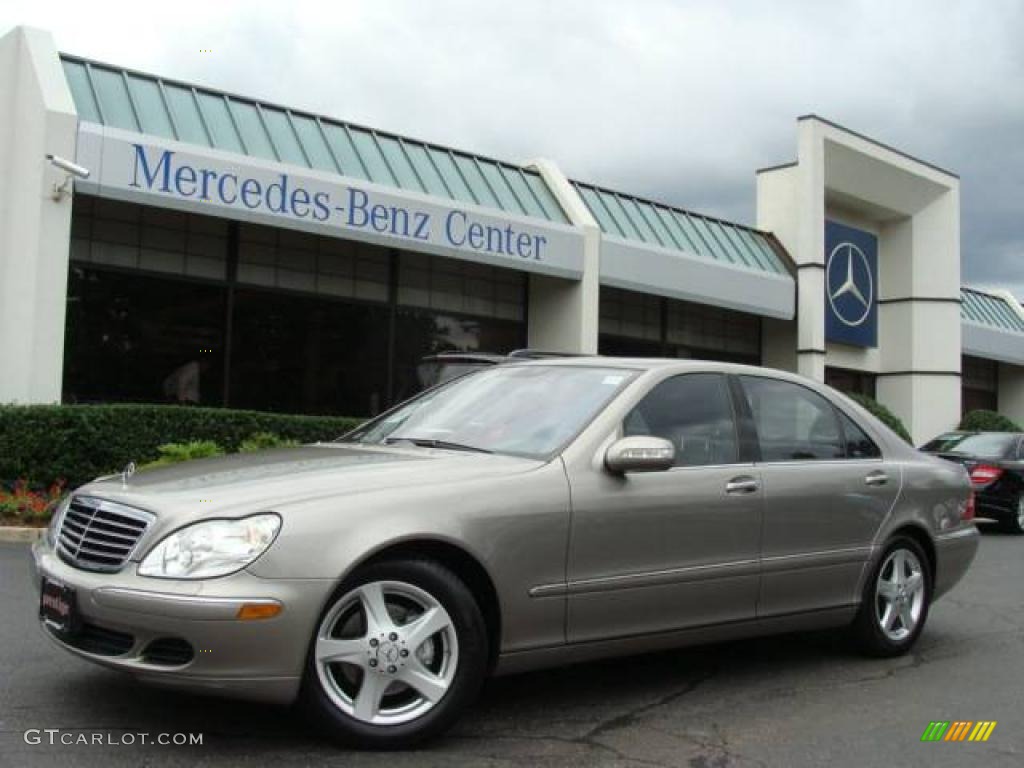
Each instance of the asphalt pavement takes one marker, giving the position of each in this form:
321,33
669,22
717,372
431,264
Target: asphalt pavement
794,700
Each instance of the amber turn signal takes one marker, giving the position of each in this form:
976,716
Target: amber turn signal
249,611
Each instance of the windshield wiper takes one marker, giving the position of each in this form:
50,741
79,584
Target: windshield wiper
427,442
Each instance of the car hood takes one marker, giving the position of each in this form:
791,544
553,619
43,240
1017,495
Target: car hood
270,479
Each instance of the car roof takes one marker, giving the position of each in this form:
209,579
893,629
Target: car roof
453,357
654,363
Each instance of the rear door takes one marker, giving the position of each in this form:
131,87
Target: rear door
827,489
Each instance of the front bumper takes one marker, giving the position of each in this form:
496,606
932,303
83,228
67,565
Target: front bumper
124,613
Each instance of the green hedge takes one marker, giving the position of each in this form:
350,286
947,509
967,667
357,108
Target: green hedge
44,443
987,421
883,414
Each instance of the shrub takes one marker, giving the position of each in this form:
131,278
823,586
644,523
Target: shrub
262,441
172,453
987,421
23,506
883,414
39,443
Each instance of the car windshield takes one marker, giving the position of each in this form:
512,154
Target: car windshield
986,446
522,410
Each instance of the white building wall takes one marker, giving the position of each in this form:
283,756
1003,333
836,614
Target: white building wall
1011,392
37,117
914,211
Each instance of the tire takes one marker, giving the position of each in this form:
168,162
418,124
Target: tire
389,623
893,612
1015,522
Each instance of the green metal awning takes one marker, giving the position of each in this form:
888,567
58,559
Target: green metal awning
989,309
133,101
663,226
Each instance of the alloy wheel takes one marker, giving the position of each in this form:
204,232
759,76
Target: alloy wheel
1020,512
899,594
386,653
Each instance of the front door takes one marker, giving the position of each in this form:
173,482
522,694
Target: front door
653,552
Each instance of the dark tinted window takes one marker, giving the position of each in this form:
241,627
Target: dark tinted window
301,354
693,412
858,444
143,339
793,423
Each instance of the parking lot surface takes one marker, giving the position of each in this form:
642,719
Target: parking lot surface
794,700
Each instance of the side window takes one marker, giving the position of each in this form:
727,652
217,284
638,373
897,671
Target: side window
858,444
694,413
793,423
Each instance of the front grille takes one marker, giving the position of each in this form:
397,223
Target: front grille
100,535
98,640
168,652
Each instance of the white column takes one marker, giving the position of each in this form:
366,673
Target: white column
37,117
1011,392
564,314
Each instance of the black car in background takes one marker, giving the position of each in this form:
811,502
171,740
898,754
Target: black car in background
995,461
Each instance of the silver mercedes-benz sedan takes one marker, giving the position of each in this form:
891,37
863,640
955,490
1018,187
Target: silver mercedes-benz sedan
527,515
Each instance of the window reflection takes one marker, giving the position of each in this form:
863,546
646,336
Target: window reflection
143,339
299,354
419,333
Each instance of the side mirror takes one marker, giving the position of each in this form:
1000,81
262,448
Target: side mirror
641,453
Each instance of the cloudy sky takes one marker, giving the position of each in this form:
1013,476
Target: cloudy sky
676,100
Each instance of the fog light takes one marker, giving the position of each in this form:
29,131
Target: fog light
250,611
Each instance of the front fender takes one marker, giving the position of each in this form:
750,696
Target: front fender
516,527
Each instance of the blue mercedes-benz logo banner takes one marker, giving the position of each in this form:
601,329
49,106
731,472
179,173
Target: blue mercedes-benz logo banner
851,285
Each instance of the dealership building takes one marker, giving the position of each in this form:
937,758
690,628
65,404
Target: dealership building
230,252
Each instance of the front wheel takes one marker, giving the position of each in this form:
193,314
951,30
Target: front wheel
400,650
895,602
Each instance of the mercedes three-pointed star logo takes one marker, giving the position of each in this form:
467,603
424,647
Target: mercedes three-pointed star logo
856,283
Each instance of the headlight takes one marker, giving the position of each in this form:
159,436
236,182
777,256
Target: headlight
55,518
211,548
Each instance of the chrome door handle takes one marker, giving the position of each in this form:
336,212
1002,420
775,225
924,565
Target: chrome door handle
741,485
876,478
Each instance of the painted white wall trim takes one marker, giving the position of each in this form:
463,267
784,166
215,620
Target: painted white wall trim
677,275
991,344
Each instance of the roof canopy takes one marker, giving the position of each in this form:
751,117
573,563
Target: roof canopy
662,226
133,101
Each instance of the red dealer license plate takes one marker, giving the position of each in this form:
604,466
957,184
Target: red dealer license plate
57,606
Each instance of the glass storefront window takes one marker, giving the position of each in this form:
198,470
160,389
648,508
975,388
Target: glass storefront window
421,332
134,338
851,382
300,354
319,325
980,384
640,325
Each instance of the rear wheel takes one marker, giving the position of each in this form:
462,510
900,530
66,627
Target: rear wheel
896,599
1015,522
400,650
